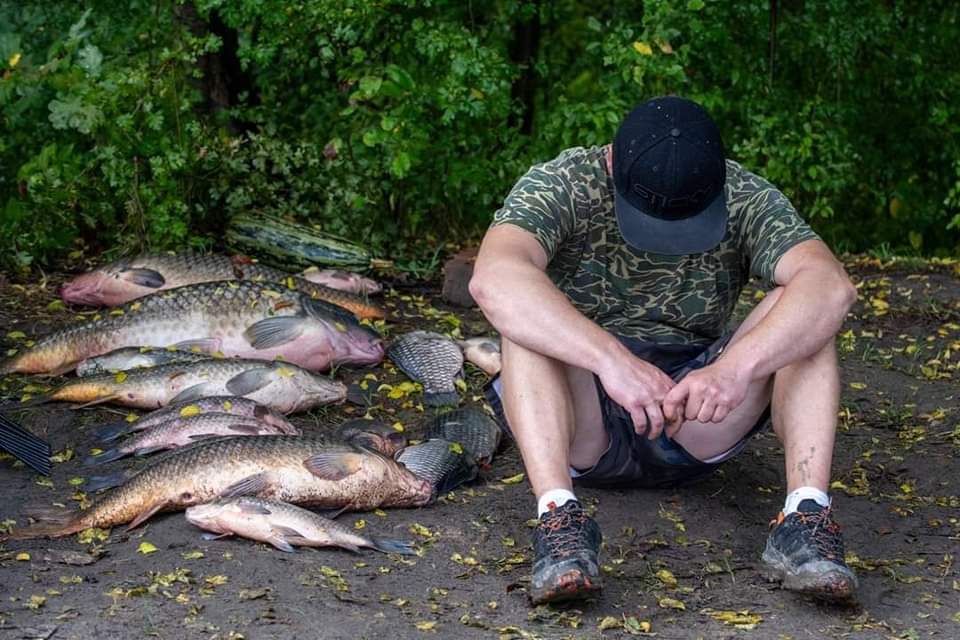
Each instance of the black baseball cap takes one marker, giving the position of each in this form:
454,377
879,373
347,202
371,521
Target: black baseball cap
669,174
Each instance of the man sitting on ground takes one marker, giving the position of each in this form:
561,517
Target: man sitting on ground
611,273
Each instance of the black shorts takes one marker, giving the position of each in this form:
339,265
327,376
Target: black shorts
636,461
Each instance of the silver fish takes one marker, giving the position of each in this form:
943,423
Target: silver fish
180,432
278,385
284,526
433,360
137,358
342,280
234,405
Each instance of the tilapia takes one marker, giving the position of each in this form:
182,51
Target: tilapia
372,434
137,358
483,352
235,318
131,278
284,526
342,280
433,360
278,385
234,405
446,465
298,469
180,432
471,427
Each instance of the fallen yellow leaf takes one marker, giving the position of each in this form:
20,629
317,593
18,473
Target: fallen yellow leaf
147,548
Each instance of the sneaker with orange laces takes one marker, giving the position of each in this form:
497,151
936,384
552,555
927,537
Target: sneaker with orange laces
805,553
566,545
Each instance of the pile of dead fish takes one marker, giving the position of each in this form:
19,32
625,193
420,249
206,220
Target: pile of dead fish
223,350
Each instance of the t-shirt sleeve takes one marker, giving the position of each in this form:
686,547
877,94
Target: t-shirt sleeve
770,224
542,202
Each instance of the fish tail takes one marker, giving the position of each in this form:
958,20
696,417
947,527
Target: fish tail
114,430
105,457
387,545
441,398
53,527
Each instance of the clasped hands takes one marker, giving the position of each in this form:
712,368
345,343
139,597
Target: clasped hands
655,402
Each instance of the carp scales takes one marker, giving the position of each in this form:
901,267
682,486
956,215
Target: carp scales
297,469
284,526
137,358
278,385
180,432
234,405
261,320
472,428
433,360
131,278
444,464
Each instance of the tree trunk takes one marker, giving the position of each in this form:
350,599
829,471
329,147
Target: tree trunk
523,53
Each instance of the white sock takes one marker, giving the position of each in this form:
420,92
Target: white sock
794,498
552,499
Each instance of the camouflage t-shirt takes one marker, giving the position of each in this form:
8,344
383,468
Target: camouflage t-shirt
567,203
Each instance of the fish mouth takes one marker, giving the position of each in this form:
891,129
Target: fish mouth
365,351
82,291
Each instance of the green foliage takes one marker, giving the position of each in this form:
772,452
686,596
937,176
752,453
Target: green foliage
146,123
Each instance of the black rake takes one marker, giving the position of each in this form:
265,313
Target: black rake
34,452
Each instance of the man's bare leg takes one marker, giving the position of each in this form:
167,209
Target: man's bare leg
554,414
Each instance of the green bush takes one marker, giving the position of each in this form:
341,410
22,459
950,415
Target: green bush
132,124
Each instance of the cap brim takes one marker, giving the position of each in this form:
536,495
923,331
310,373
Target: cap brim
695,234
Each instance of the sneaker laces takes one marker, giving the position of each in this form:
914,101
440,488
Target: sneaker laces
824,531
563,532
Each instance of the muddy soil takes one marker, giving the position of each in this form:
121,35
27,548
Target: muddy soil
676,564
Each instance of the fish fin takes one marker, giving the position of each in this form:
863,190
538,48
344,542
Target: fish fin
143,277
113,431
272,332
215,536
105,457
54,527
387,545
146,514
249,381
251,485
47,513
195,392
204,345
145,451
107,481
245,429
97,401
440,399
332,514
280,544
330,465
287,532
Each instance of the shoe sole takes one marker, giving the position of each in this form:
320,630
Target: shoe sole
572,585
822,579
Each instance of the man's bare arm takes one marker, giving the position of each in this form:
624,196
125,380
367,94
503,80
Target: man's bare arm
816,297
518,298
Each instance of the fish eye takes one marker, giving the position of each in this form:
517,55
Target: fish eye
186,495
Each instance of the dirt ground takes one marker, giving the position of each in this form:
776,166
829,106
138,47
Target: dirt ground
676,564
